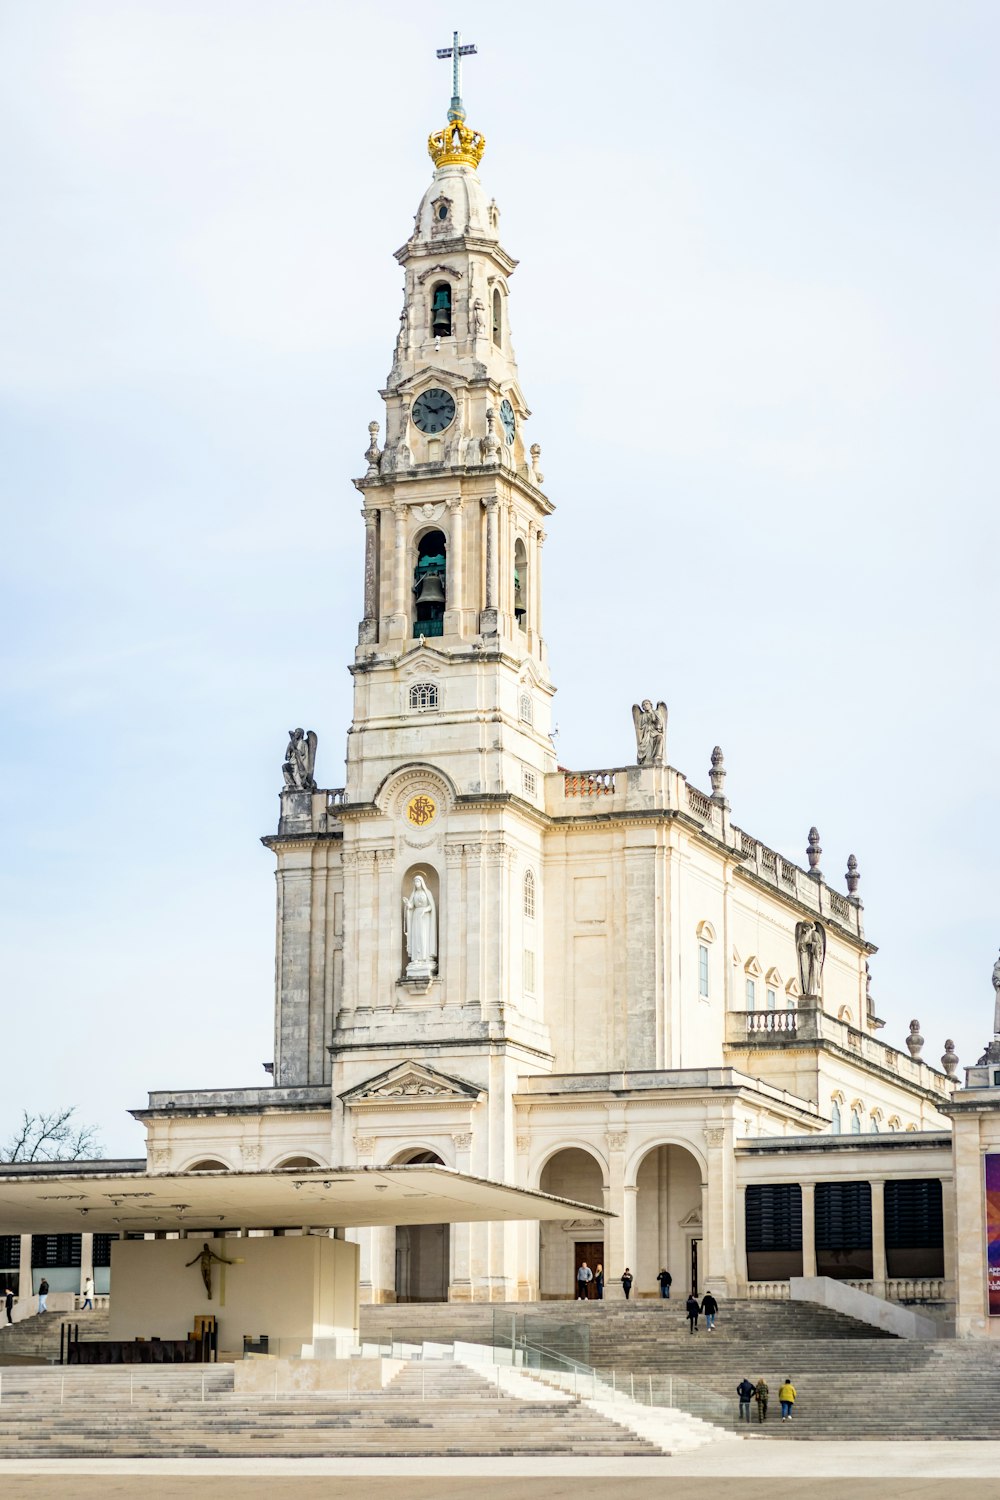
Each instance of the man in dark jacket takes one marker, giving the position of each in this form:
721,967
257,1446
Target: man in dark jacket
693,1309
709,1307
746,1390
665,1279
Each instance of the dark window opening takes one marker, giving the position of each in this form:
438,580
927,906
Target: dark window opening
774,1231
497,316
55,1250
844,1230
102,1249
441,311
914,1229
10,1251
520,584
430,584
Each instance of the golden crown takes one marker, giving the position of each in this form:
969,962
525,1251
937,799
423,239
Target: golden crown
456,143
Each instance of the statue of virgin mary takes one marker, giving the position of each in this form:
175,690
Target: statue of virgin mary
420,930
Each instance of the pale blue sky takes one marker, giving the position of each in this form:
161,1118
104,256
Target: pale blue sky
756,317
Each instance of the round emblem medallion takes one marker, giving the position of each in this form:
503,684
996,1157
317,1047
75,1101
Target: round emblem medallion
421,809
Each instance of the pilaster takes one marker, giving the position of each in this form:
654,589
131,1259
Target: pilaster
809,1229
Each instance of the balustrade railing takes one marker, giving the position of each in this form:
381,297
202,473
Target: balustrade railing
699,803
588,783
336,797
772,1021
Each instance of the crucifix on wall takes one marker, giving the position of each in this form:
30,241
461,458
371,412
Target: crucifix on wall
204,1259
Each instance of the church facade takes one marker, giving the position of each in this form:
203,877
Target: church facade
591,982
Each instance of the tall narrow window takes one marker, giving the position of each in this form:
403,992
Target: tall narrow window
441,311
751,995
703,970
772,999
855,1122
836,1124
497,316
430,578
529,894
524,710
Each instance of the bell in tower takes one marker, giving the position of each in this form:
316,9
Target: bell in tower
429,578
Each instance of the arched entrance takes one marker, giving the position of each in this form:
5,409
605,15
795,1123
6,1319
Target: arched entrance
571,1173
668,1221
423,1251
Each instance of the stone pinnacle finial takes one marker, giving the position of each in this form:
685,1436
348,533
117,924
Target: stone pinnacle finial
853,875
536,458
949,1059
717,774
914,1041
374,452
813,852
489,447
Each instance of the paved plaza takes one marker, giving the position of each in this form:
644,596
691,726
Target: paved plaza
763,1470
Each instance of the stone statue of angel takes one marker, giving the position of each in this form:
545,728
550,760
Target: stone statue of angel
420,930
650,732
300,761
810,945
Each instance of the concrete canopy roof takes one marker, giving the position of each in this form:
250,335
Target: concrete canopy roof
74,1198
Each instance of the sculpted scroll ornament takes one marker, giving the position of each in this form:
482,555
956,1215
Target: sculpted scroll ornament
364,1145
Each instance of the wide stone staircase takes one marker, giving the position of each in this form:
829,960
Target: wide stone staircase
427,1410
852,1382
35,1340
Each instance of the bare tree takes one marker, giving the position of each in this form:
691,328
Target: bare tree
56,1136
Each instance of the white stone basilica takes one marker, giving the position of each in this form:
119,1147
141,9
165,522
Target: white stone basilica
590,982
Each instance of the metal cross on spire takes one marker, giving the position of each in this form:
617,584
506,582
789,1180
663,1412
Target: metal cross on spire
456,52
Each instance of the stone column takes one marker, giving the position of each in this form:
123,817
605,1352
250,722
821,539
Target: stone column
809,1229
878,1238
460,1287
718,1220
401,598
25,1288
536,589
455,583
86,1258
615,1259
489,618
369,625
950,1230
741,1240
630,1194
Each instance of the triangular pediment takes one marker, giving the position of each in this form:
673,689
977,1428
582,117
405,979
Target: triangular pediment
412,1082
692,1220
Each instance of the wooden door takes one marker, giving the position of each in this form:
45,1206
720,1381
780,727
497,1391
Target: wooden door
591,1251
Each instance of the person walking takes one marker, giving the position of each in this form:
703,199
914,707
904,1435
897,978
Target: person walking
88,1294
786,1395
666,1280
8,1302
760,1392
626,1280
599,1282
584,1277
43,1292
693,1309
709,1307
746,1390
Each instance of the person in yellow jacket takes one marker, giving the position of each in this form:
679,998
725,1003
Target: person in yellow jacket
787,1398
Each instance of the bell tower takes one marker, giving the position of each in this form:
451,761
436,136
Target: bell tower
454,509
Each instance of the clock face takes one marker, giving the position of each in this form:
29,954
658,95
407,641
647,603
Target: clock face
434,410
507,418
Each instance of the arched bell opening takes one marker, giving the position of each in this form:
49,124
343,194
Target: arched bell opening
563,1247
441,311
520,584
430,579
422,1251
497,331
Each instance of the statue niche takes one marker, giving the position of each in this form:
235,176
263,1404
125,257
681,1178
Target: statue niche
420,927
